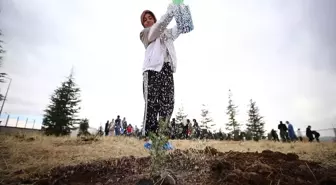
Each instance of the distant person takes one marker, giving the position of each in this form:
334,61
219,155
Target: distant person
275,136
299,134
190,129
107,128
186,129
316,135
124,125
173,128
112,127
291,131
173,123
309,134
100,131
117,126
129,130
283,132
196,129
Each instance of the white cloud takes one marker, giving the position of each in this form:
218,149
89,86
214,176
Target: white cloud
265,50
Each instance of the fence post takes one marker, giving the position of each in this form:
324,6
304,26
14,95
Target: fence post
26,122
17,121
33,124
335,134
7,120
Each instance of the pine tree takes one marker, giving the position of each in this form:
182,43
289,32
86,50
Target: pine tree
248,135
180,116
84,127
60,116
100,131
255,123
180,119
233,124
205,118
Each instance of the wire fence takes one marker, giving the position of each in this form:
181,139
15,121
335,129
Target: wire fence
328,134
324,132
20,122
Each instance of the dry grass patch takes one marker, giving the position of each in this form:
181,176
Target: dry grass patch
23,155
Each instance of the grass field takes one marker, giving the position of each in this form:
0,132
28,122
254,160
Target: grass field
24,155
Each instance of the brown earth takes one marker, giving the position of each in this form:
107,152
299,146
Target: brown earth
196,167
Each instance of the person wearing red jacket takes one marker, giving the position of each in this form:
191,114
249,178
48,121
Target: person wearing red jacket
129,130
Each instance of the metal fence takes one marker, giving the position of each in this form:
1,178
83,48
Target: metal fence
20,122
325,134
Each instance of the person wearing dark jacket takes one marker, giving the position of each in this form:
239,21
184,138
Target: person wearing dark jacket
186,129
172,128
124,126
309,134
316,135
274,135
173,123
283,132
196,128
117,125
107,128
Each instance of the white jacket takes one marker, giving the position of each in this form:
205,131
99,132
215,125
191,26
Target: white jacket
156,39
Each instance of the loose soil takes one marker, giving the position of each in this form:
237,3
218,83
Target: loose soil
195,167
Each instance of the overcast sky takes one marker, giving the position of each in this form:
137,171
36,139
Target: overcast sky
281,53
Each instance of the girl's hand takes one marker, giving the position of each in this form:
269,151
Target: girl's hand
170,10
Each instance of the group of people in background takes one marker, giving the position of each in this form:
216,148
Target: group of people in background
185,130
188,130
118,127
287,133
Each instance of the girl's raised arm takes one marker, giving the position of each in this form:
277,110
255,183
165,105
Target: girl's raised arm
157,28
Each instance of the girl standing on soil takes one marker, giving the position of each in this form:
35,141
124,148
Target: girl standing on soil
158,68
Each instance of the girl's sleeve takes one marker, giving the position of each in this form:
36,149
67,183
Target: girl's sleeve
144,37
157,28
174,33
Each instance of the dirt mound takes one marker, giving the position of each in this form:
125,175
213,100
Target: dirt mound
196,167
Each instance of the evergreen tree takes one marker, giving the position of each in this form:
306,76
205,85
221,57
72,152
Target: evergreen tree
206,120
249,135
255,123
180,116
60,116
84,127
100,131
180,119
233,124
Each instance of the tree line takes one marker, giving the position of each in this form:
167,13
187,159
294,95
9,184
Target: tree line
255,126
61,114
